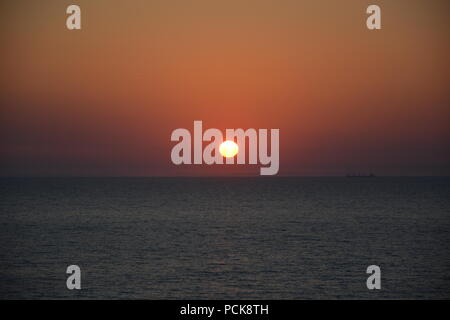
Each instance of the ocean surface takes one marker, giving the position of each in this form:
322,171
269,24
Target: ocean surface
225,238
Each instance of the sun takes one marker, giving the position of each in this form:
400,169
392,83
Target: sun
228,149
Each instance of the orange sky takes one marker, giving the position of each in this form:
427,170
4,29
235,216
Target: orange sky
104,100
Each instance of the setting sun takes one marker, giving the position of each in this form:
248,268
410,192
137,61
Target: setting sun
228,148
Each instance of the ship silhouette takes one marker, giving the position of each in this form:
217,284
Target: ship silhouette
360,175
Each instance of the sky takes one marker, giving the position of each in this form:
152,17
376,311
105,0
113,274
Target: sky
104,100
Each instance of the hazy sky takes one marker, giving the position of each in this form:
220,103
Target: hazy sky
104,100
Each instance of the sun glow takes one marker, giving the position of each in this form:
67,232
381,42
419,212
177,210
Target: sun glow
228,149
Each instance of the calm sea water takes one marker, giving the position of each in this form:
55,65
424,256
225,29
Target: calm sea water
250,238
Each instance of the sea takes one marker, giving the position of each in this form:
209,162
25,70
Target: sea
225,237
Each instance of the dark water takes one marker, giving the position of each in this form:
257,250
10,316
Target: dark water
271,238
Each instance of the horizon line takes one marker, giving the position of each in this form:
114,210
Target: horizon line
220,176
